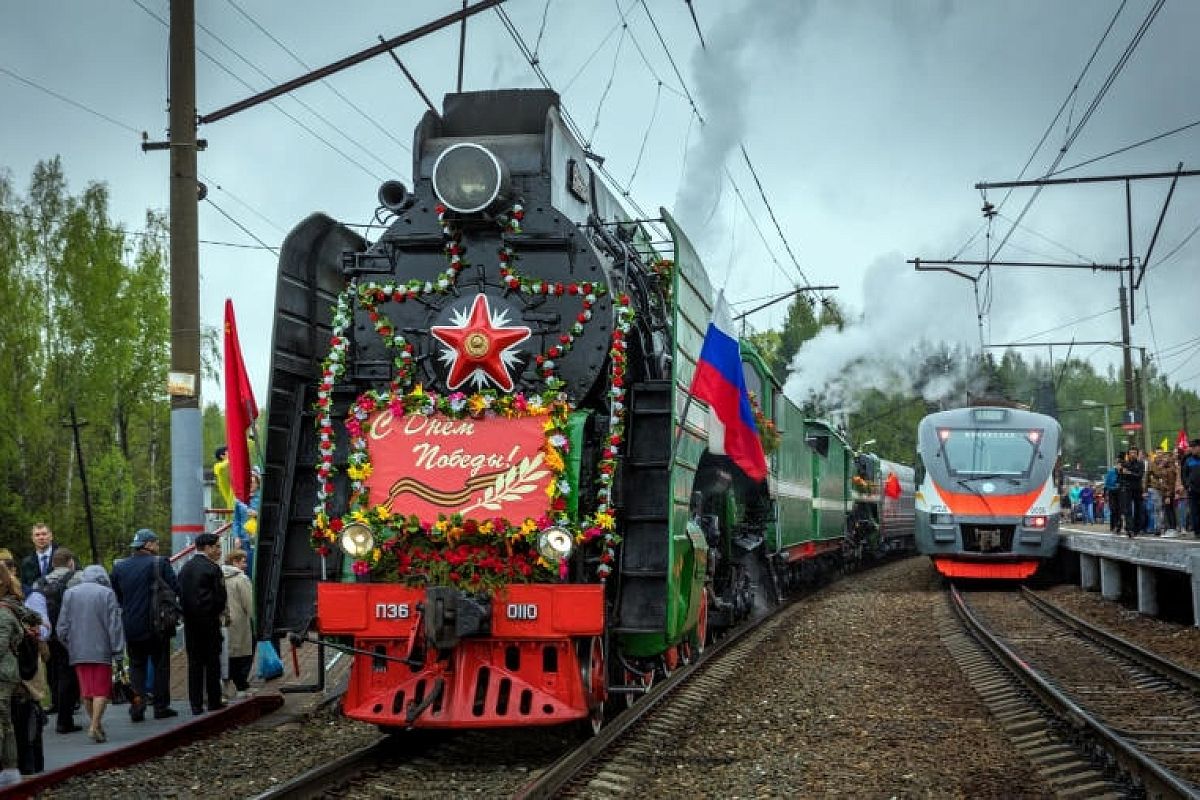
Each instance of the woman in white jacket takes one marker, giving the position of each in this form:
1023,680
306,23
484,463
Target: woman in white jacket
89,625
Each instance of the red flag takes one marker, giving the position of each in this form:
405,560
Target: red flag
891,487
240,409
1181,441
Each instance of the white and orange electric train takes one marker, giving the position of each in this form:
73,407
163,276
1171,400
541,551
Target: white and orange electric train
986,503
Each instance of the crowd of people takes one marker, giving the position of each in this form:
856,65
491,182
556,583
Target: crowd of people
63,628
1156,493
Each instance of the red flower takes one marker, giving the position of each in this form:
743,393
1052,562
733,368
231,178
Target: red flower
335,524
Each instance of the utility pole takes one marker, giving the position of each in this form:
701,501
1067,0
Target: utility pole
1127,355
75,424
187,477
1145,387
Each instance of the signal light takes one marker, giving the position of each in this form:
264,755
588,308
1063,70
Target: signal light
943,433
1035,436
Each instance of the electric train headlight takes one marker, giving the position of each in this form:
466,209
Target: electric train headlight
468,178
357,540
942,519
555,544
1035,522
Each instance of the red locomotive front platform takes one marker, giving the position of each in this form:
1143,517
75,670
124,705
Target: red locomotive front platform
436,658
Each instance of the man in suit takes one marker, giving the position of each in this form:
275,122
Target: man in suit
38,563
202,592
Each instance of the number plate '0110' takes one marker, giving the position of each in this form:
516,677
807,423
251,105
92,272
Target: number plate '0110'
392,611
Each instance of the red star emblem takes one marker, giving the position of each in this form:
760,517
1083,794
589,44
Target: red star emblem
480,345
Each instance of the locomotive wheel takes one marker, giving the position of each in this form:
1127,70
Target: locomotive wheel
632,678
591,674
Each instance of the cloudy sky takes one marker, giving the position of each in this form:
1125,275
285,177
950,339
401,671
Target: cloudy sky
868,122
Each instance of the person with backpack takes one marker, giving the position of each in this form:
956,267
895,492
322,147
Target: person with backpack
18,631
64,687
89,625
145,586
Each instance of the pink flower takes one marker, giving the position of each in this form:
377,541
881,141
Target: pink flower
361,567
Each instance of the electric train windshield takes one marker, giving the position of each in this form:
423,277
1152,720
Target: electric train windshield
974,453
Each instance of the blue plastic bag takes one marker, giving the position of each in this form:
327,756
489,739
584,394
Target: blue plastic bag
270,666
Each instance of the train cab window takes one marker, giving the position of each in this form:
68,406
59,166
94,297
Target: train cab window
818,442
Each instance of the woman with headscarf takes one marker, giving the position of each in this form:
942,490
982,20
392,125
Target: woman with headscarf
89,624
16,622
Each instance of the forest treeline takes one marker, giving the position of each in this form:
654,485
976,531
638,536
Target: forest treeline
85,323
884,397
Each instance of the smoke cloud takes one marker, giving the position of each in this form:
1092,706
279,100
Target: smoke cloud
723,77
899,305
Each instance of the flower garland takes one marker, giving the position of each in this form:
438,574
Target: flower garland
768,434
443,556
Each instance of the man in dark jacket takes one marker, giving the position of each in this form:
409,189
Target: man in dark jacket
39,563
1132,473
202,585
1190,478
133,581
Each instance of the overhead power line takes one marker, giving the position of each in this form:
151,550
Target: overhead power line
69,101
374,122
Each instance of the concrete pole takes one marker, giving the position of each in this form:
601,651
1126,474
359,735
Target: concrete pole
187,479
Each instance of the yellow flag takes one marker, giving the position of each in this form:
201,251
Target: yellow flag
1165,446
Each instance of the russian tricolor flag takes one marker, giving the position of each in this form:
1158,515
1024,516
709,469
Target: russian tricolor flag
719,383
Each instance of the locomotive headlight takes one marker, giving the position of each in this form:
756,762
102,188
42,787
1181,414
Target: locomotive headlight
468,178
555,544
357,540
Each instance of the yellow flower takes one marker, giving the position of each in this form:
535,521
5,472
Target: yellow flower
383,512
358,516
476,403
418,391
605,520
528,526
486,527
375,555
441,525
552,490
553,460
358,473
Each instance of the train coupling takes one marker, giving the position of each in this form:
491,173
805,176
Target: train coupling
451,614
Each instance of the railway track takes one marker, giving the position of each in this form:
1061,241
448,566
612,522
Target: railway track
1097,715
535,763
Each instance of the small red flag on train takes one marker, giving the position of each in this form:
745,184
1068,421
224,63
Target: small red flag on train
240,409
1181,441
891,487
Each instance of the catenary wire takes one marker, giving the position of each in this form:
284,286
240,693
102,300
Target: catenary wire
329,85
240,226
646,136
1110,79
1069,323
273,104
69,101
1053,122
603,171
1125,149
612,74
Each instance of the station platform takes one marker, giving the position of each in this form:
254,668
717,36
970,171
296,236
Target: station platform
72,754
1145,567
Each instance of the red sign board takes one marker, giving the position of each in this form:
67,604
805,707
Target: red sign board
1131,426
476,467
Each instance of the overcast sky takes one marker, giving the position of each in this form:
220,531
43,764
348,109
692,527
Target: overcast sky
869,122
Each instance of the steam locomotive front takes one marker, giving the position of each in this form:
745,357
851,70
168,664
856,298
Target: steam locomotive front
479,353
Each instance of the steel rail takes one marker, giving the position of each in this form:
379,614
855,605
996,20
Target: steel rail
316,780
559,774
1157,780
1155,663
